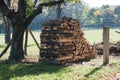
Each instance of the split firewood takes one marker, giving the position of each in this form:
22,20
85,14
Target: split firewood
67,34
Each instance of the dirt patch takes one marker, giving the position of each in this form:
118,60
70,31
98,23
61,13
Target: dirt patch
115,76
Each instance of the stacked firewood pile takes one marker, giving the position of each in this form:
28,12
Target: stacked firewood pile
64,40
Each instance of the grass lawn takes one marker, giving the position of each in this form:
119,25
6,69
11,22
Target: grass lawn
92,70
96,35
44,71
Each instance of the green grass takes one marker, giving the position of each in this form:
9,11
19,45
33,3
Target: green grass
44,71
96,35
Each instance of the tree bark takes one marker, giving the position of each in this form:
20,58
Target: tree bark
17,52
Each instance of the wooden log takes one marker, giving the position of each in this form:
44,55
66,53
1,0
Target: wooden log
49,37
49,49
49,42
49,55
50,31
65,40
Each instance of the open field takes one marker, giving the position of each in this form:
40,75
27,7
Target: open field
92,70
96,35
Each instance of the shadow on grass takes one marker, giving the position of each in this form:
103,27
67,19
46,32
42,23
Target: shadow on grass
93,71
8,71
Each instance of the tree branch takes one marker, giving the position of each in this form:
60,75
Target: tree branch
39,9
4,9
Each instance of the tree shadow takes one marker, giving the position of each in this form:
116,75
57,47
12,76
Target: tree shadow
93,71
8,70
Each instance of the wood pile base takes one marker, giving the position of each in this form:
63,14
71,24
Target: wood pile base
63,41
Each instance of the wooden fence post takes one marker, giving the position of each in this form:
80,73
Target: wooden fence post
105,45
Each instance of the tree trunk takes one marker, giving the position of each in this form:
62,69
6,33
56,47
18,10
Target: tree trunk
17,53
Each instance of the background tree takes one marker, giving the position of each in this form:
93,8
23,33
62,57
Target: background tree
88,17
117,12
108,15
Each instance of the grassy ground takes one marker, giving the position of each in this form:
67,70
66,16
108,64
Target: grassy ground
96,35
92,70
44,71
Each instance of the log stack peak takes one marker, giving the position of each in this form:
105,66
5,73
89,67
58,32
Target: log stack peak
62,40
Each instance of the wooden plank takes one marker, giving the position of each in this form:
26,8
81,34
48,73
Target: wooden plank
65,40
49,42
49,37
50,31
66,34
67,52
49,55
67,46
64,58
105,45
55,42
56,31
49,49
